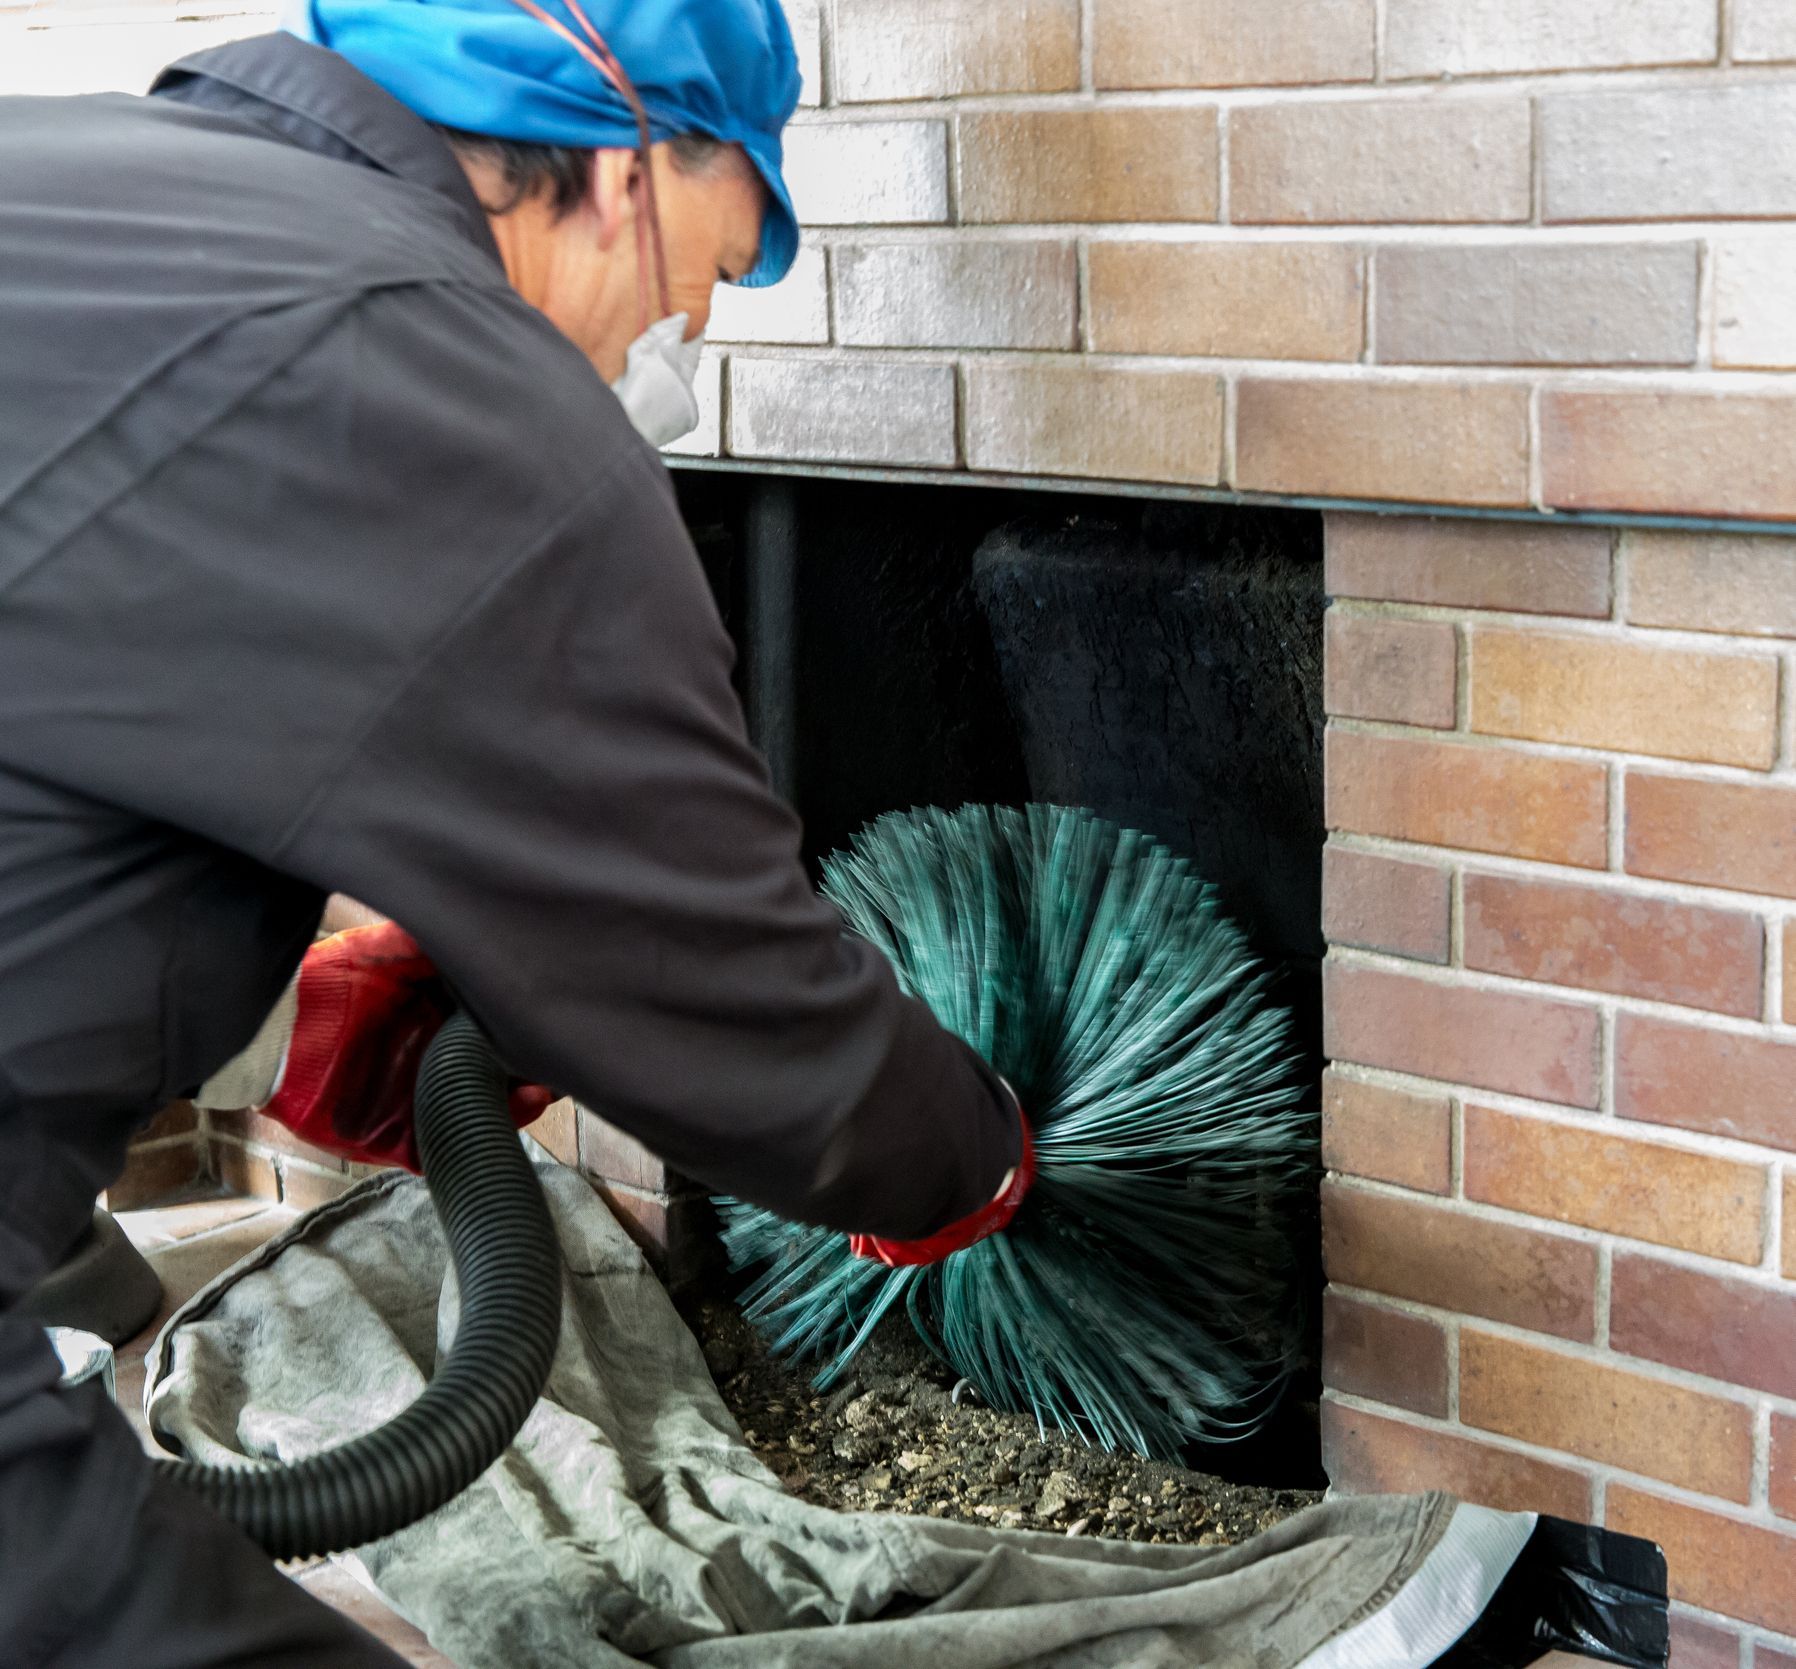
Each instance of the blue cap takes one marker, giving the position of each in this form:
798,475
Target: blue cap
725,68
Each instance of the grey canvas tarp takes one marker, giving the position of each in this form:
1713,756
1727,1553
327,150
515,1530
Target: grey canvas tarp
630,1523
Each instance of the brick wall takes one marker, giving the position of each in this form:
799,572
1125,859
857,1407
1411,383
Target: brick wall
1560,1118
1498,252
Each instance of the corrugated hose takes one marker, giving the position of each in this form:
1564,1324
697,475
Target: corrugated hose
508,1269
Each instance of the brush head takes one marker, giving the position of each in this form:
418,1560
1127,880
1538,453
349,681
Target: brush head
1147,1294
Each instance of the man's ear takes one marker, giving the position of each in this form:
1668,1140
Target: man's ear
613,174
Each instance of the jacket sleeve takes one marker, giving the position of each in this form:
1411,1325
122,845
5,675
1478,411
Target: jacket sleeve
558,800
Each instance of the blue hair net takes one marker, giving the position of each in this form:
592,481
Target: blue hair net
725,68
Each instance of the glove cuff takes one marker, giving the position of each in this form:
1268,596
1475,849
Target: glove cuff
969,1230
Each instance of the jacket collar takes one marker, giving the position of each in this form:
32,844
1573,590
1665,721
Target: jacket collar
313,98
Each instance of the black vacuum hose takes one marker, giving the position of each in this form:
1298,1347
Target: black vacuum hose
508,1267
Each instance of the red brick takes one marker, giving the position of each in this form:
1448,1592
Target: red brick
1712,582
304,1187
262,1133
559,1131
1435,1254
1463,1034
1699,1645
1439,440
1600,1412
1385,1355
1481,799
1716,1561
178,1118
244,1172
1789,964
1404,671
1783,1465
153,1173
1632,695
1379,903
1600,939
1574,1173
1674,452
1389,1135
1458,562
1367,1455
1701,1078
1721,834
1721,1328
1763,1657
676,1235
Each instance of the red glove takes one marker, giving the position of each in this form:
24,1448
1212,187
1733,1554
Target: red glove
971,1229
369,1003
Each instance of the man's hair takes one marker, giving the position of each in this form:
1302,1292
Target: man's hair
562,171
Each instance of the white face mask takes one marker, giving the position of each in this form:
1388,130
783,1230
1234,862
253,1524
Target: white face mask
656,387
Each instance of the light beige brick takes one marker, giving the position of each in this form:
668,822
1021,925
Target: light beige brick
1227,300
929,49
1459,442
1231,43
1535,304
1712,582
1603,692
1089,165
706,441
1404,160
972,293
1459,562
1676,153
1755,300
1491,37
806,20
1064,417
111,57
868,173
1667,450
1764,31
860,411
794,310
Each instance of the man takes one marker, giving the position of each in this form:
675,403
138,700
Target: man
329,561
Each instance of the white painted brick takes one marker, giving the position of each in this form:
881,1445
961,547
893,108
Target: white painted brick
1764,31
907,49
965,294
1755,300
868,173
806,20
1672,153
706,441
794,310
107,57
1487,37
855,411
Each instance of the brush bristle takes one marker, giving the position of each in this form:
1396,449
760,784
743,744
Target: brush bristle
1147,1294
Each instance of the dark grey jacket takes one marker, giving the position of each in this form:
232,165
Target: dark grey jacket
325,562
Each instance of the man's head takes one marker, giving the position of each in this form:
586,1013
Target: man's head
566,222
600,135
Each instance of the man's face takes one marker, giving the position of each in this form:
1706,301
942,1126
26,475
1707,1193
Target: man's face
581,268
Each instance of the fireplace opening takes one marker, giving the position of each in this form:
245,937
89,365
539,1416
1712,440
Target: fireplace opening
1157,662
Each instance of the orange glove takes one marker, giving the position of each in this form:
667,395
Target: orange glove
369,1003
968,1231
